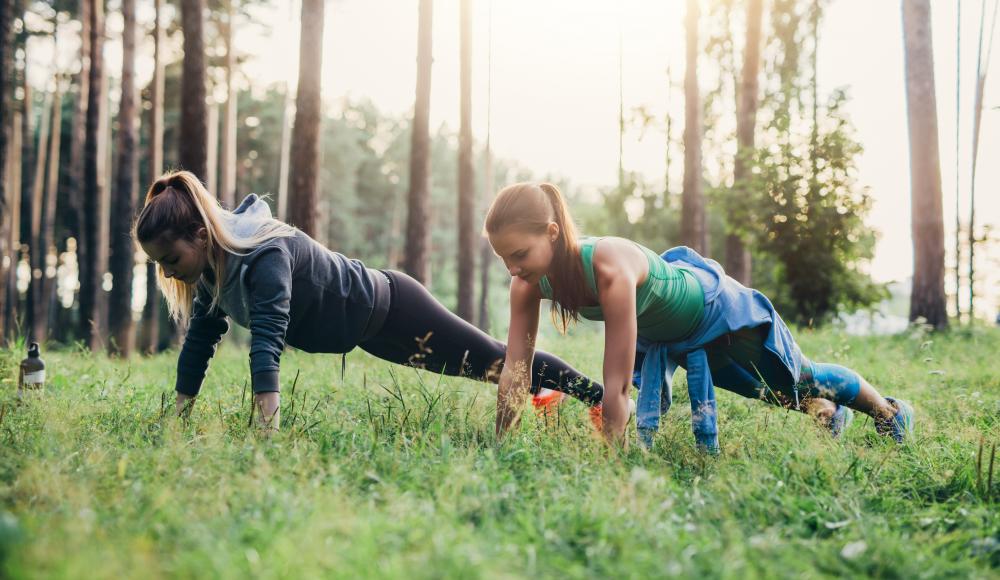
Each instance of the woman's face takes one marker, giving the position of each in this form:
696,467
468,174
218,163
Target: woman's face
527,255
184,260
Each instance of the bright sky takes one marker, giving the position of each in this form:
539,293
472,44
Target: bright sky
555,90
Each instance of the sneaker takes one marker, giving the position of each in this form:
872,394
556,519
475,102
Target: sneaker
841,418
901,425
546,400
597,414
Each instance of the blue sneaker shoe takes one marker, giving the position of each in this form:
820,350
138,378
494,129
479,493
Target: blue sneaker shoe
901,425
840,420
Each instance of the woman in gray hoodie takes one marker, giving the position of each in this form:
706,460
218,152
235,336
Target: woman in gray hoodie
265,275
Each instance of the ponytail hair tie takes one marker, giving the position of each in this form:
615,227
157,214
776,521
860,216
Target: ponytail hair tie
159,186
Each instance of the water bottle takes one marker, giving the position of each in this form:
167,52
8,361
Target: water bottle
32,375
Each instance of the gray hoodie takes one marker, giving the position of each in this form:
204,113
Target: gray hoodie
288,290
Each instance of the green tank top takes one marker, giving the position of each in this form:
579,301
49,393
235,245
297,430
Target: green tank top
669,305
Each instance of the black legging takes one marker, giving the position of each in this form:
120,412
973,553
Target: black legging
420,332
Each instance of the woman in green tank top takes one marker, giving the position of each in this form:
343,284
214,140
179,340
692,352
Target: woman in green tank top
668,303
642,298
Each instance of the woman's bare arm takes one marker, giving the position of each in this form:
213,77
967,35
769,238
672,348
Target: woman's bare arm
619,267
515,378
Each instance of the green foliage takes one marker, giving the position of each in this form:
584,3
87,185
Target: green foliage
393,473
638,211
814,223
801,206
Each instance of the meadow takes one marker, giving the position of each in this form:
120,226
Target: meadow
390,472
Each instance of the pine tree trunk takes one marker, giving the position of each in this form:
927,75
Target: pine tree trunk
27,149
693,228
78,140
13,225
227,163
6,141
104,210
46,244
927,299
25,179
466,176
122,252
36,255
971,230
212,164
303,188
286,153
395,225
738,260
485,250
415,257
151,310
91,326
193,154
286,138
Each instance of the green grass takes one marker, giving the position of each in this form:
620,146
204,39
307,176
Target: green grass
393,473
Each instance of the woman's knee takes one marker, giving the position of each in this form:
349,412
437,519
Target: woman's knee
832,381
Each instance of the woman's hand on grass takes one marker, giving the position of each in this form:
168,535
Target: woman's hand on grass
512,394
183,405
267,410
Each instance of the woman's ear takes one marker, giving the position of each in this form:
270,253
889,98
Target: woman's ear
552,231
201,235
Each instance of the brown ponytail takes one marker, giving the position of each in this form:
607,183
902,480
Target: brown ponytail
531,207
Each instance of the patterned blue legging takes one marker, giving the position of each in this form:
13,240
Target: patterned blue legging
742,365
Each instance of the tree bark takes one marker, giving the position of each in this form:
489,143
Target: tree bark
415,258
46,244
694,232
151,310
78,140
13,225
976,125
193,154
227,164
738,259
122,252
6,139
92,269
212,165
27,148
286,138
36,254
303,186
485,250
927,299
466,176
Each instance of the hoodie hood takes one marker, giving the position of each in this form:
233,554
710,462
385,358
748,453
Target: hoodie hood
249,216
244,221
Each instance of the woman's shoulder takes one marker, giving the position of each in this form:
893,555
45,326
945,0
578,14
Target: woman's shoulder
260,260
615,257
613,249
